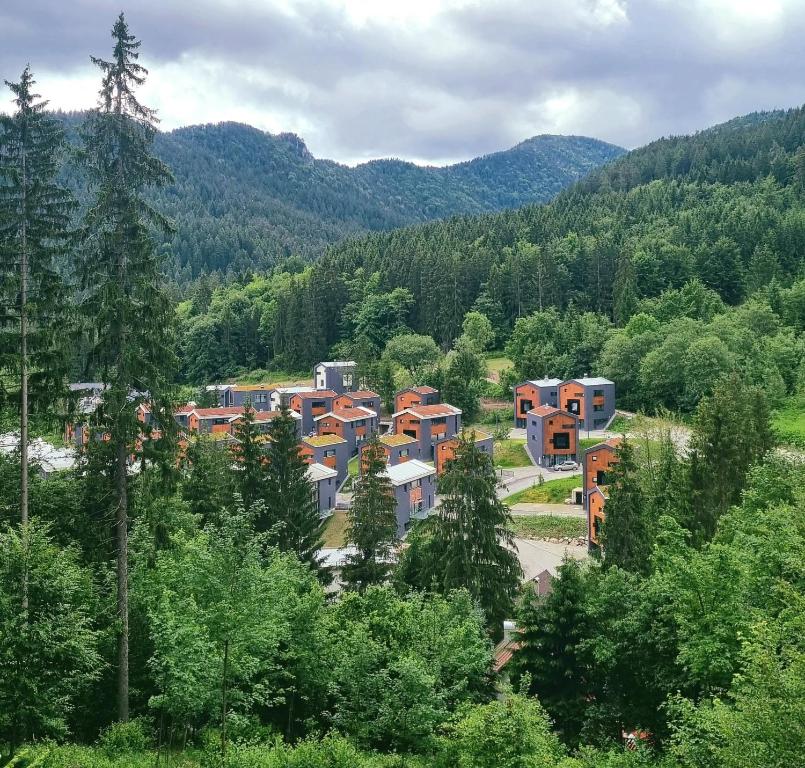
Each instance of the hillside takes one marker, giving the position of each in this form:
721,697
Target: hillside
244,198
724,207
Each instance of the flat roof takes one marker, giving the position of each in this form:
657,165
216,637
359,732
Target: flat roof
397,439
591,381
409,471
544,382
321,440
336,363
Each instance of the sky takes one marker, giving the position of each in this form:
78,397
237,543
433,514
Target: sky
432,81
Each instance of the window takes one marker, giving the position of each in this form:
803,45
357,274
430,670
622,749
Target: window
403,453
601,477
347,379
526,406
598,393
317,404
262,398
416,484
561,440
329,454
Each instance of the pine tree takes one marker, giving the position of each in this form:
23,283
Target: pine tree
291,511
628,535
472,535
250,471
129,316
372,523
551,629
34,233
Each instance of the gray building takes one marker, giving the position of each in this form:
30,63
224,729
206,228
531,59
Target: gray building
324,483
414,484
330,450
355,425
428,424
338,375
592,399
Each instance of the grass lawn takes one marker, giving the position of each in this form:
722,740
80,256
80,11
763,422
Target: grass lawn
549,527
588,442
335,531
495,363
789,421
511,453
550,492
352,466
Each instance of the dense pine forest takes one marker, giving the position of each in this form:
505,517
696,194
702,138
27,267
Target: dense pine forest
243,200
165,602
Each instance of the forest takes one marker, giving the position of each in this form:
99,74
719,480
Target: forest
166,601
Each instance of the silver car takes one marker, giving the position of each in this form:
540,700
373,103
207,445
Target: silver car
567,466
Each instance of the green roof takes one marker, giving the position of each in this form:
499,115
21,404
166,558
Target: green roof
397,439
320,440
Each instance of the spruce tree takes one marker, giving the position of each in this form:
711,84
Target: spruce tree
372,523
128,315
291,511
250,459
551,629
472,535
34,233
628,534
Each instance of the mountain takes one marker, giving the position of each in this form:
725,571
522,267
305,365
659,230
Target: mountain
724,208
244,199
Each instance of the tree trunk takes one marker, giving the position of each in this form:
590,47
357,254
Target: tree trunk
24,370
122,587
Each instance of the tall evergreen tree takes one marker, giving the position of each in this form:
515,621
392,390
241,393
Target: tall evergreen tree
731,432
129,316
34,233
628,535
291,511
372,523
250,469
472,538
551,629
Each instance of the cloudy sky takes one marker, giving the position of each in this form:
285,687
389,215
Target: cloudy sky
427,80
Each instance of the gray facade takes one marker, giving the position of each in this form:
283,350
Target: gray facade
324,485
337,375
428,424
552,436
531,394
414,486
355,425
329,450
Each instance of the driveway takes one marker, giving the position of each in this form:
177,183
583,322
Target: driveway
536,556
520,478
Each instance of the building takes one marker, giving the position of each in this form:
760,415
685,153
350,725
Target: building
257,394
413,396
552,435
280,395
414,484
445,449
338,375
325,484
223,421
355,425
427,424
591,399
362,398
310,405
531,394
398,449
596,468
330,450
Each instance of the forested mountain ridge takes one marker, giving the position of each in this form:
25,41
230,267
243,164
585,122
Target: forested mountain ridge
723,207
244,199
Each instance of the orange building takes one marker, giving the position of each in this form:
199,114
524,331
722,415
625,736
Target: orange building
597,463
398,449
552,435
413,396
445,450
428,424
531,394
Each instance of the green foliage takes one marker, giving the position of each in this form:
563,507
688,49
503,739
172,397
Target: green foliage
372,523
550,492
471,541
50,647
414,353
477,330
548,526
463,379
121,738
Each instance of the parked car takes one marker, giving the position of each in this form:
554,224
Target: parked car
567,466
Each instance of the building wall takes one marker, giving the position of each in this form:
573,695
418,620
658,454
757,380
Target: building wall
340,379
334,456
408,496
541,433
326,495
595,517
347,401
600,401
395,454
309,408
445,450
528,396
409,399
597,460
260,399
572,399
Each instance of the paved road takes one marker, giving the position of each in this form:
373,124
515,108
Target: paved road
537,556
558,510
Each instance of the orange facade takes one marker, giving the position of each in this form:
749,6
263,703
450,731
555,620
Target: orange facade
445,451
330,426
595,512
526,397
597,461
571,398
559,424
407,400
407,424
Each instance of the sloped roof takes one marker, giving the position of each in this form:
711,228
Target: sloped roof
349,414
432,411
361,394
337,363
548,410
317,472
313,394
408,471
